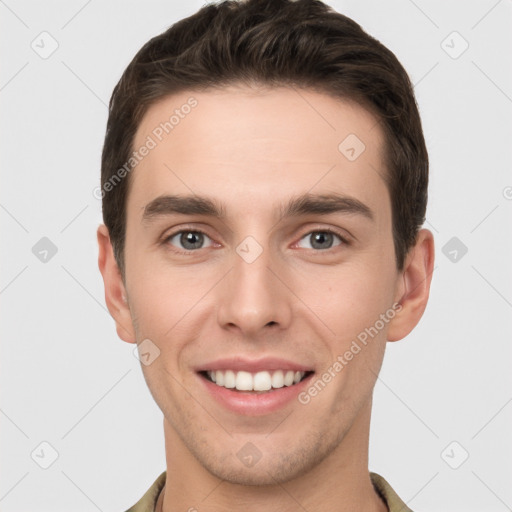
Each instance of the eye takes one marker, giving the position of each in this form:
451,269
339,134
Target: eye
190,240
323,239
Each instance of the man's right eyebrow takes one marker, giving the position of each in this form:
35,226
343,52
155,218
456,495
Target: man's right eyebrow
186,205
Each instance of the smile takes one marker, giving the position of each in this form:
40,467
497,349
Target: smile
254,387
260,381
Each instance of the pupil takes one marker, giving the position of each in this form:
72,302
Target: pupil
188,238
321,238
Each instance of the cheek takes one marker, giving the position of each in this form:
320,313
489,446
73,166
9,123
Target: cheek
156,293
349,298
171,304
357,306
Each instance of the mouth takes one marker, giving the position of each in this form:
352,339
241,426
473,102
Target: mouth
256,383
254,387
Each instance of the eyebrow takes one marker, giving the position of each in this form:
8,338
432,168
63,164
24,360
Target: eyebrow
305,204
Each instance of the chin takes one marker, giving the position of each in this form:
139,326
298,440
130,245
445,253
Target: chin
273,468
256,476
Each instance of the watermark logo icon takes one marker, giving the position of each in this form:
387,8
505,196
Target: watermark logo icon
455,455
146,352
45,45
44,250
44,455
351,147
454,249
454,45
249,249
249,455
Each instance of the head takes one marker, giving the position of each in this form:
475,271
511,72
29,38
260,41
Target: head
286,126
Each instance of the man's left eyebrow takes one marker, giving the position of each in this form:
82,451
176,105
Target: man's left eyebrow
324,204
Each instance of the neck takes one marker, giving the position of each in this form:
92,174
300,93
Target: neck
340,482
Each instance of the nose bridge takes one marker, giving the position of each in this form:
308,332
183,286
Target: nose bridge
252,297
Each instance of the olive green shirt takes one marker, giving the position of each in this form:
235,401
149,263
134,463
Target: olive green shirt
148,502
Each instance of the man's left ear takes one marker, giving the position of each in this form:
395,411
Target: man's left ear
414,286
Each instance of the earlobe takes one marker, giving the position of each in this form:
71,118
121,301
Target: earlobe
414,286
115,293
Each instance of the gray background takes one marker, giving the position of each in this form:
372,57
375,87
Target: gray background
66,379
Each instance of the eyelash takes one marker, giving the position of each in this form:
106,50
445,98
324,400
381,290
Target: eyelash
166,240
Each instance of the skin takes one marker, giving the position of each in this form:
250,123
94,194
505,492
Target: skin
253,149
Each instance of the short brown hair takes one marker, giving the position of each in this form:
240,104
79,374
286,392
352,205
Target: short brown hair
302,43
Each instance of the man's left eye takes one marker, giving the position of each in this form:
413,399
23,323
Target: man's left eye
322,240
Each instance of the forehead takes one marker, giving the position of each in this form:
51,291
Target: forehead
237,142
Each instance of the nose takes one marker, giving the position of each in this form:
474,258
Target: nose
254,296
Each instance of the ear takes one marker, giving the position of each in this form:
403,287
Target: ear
115,293
413,286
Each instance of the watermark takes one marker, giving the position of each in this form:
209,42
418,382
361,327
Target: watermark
454,45
249,249
454,249
146,352
351,147
44,250
455,455
45,45
44,455
342,360
249,455
157,135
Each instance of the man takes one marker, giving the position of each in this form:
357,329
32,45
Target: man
264,183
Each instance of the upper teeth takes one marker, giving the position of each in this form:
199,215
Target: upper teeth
260,381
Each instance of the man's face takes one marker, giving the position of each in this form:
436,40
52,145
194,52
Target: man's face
259,292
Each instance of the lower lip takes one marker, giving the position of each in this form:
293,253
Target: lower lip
251,403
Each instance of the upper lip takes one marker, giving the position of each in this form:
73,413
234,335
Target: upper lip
253,365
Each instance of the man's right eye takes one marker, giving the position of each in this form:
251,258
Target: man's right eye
190,240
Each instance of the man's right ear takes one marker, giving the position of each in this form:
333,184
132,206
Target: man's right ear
115,293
